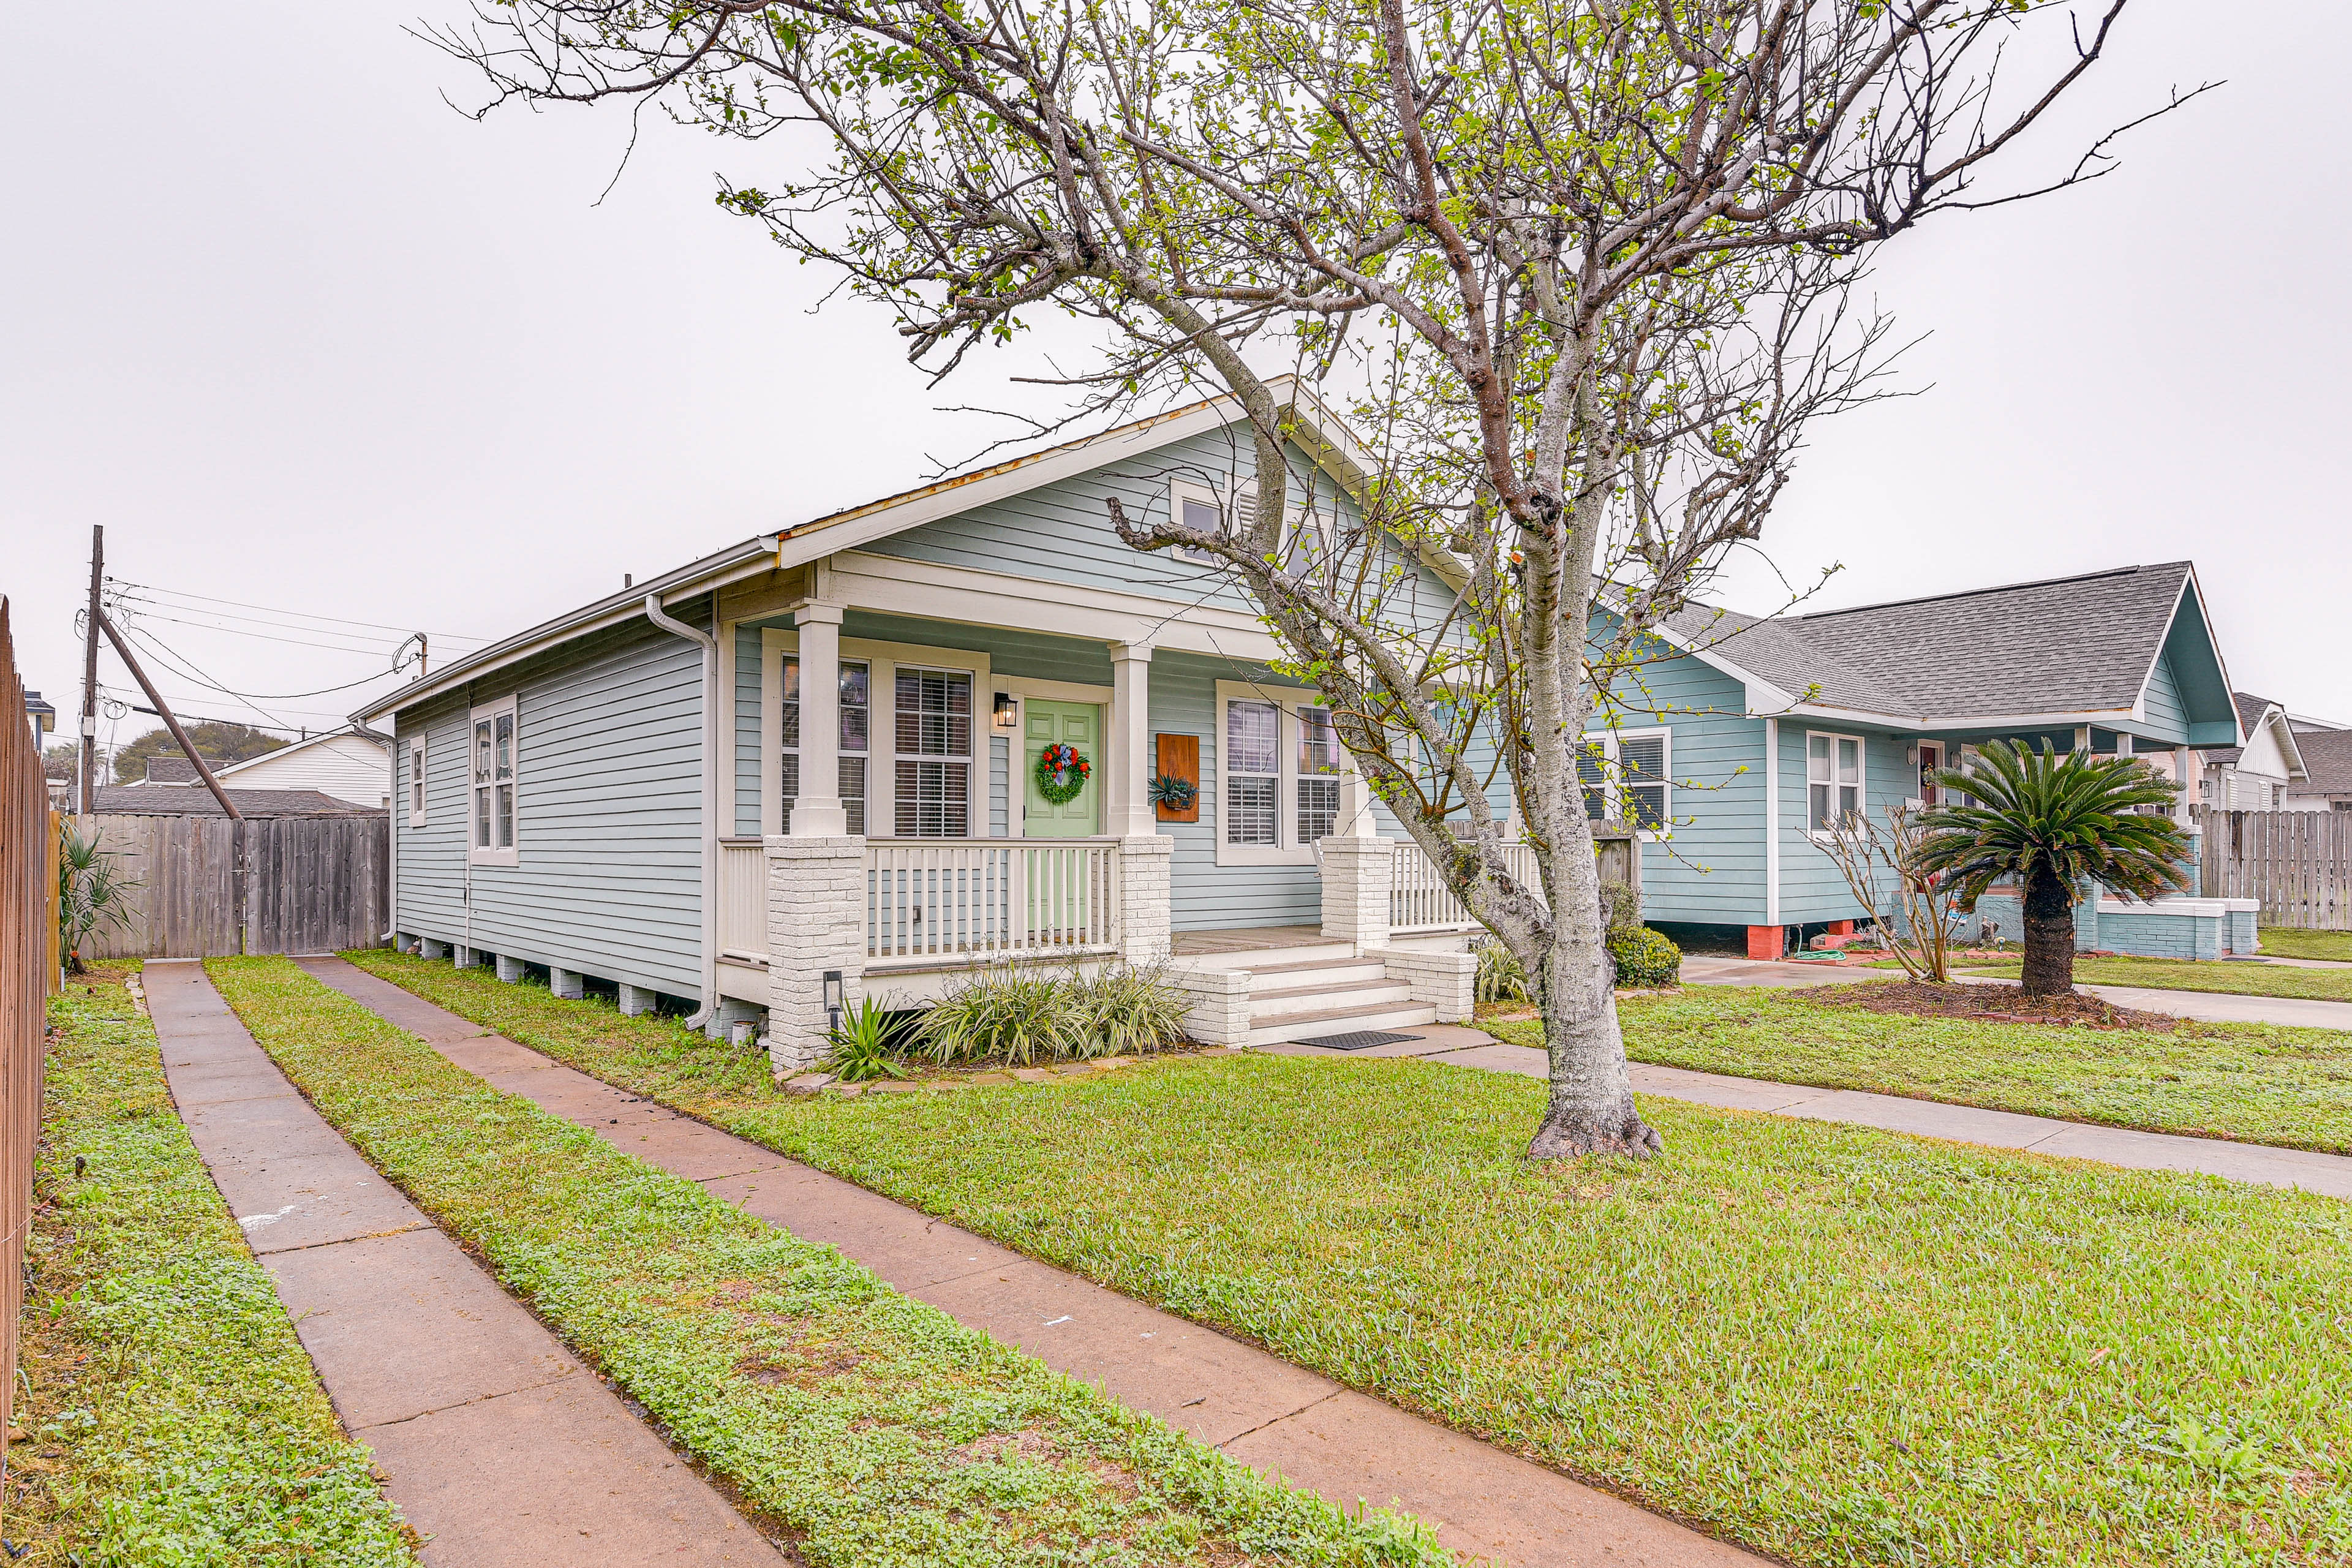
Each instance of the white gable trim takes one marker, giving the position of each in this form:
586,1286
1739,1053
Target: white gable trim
2189,585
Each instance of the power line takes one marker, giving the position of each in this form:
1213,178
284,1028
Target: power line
241,632
300,615
187,668
387,640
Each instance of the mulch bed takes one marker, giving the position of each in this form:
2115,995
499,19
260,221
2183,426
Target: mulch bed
1995,1004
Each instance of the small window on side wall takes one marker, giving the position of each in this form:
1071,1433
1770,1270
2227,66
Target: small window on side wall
1833,781
497,781
416,784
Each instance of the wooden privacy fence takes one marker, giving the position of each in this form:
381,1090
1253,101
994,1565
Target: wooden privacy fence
28,973
209,885
2298,863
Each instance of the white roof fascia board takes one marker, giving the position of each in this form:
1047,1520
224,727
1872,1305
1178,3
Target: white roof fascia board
969,596
2275,717
752,558
345,733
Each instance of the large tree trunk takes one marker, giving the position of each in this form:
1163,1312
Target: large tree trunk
2049,936
1592,1107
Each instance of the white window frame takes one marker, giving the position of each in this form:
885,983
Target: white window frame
973,757
1179,492
1861,775
415,783
1613,767
494,853
1287,849
882,660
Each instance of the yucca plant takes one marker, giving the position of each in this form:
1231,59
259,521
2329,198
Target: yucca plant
1018,1015
1123,1009
2053,823
865,1045
1501,977
92,893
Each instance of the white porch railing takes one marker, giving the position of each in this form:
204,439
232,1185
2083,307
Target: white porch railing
743,899
1418,898
989,898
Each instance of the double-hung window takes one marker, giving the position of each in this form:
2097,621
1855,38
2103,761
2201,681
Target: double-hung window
856,732
1318,775
496,771
932,714
1833,781
416,784
1624,776
1253,770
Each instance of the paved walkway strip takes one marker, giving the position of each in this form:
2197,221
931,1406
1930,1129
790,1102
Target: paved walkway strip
500,1449
2261,1163
1276,1417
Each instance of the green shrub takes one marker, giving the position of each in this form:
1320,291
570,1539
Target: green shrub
1621,905
1645,958
1501,977
867,1044
1122,1009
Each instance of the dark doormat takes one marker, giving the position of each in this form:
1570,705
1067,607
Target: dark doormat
1361,1040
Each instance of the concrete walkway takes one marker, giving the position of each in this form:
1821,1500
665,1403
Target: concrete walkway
1278,1418
500,1449
2209,1006
2256,1163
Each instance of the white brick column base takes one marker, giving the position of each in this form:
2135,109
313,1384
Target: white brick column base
1220,1010
568,984
1144,894
431,948
1445,981
1357,874
817,922
635,1000
510,970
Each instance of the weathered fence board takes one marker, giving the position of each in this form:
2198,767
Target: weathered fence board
29,973
210,887
2298,863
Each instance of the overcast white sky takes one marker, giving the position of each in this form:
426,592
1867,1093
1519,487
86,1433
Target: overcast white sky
301,337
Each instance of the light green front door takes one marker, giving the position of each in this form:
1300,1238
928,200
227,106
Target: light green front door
1076,723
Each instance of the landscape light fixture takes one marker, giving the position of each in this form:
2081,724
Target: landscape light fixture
832,999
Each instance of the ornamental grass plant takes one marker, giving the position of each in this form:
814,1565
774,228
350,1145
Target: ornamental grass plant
1021,1016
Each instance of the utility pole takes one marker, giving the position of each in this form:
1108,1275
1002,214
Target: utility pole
89,675
164,712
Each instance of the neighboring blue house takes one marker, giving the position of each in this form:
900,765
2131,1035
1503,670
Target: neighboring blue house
806,769
1857,707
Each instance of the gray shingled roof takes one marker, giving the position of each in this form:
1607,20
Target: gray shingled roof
196,800
2250,710
2326,758
2067,644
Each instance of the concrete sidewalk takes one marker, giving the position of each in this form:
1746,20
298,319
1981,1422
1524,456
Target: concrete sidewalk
2257,1162
498,1447
1278,1418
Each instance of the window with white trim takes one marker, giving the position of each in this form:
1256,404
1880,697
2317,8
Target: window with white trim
1832,780
1196,506
931,710
1253,770
1624,776
497,775
856,732
416,784
1318,775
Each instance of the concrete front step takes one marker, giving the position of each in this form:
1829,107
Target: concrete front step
1343,1021
1265,959
1316,977
1266,1008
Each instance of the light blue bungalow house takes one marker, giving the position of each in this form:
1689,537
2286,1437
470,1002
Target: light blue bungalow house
819,765
1769,729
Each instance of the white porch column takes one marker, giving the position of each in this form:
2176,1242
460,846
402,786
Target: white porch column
1127,782
818,813
1356,819
1356,876
816,926
2184,810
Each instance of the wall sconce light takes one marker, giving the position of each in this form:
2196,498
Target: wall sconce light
1007,716
833,999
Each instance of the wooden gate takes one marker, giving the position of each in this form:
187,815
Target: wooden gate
2298,863
209,887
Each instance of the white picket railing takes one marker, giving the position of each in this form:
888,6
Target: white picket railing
743,899
989,898
1420,900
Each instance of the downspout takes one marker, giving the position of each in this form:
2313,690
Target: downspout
394,811
1772,822
709,643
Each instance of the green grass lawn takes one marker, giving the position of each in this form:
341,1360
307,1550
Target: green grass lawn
2284,941
875,1428
171,1415
2180,975
1838,1345
2253,1082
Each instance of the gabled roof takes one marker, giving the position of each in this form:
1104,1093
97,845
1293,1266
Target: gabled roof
2253,712
2327,762
348,732
2061,647
194,800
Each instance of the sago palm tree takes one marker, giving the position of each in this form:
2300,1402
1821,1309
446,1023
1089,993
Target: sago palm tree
2053,824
